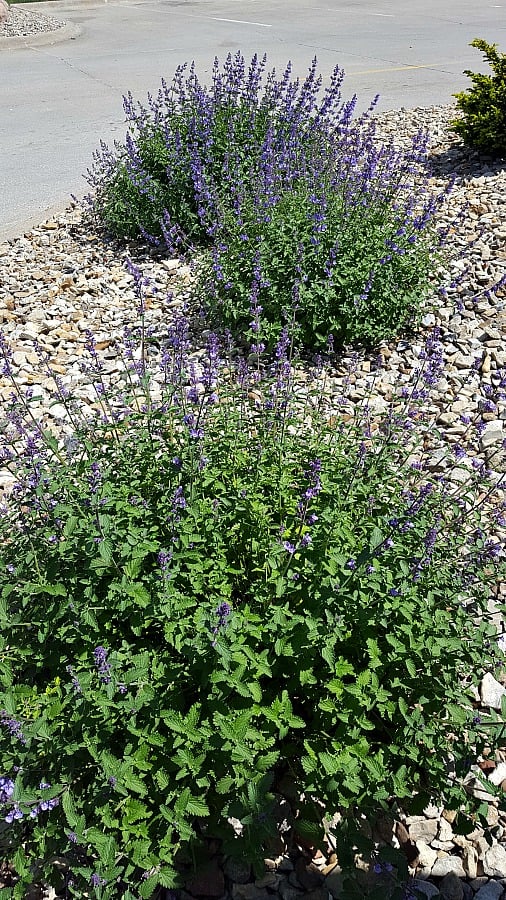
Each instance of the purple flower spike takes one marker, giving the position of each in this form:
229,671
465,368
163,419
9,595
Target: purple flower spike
102,665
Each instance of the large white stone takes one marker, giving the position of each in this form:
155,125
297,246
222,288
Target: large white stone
4,11
493,433
427,857
471,861
494,863
446,864
491,691
498,774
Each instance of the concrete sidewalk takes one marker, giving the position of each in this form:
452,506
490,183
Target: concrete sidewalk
57,100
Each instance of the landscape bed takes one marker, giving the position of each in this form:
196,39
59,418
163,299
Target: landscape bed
283,539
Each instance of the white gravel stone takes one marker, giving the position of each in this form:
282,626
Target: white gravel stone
494,863
491,691
22,22
499,774
446,864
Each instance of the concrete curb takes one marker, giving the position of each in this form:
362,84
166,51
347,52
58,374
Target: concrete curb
68,32
14,231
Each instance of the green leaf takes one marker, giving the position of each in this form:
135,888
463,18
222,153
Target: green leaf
148,887
403,706
105,551
411,667
168,878
375,539
224,785
69,809
329,763
53,590
134,783
197,807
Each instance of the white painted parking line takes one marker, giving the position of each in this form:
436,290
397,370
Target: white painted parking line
235,21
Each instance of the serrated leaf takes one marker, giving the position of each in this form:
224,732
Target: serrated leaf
296,722
329,763
196,807
139,594
410,666
135,810
133,783
224,784
375,539
254,691
98,840
69,809
167,877
105,551
53,590
162,779
403,706
147,887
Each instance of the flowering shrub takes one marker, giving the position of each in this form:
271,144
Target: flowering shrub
287,193
205,589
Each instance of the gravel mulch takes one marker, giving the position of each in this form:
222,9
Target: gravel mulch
23,22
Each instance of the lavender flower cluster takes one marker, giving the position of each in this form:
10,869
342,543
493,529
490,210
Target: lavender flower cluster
15,812
301,207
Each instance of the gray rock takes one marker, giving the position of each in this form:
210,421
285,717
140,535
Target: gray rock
491,891
238,870
451,887
493,434
249,892
334,882
287,891
426,888
446,864
494,863
424,830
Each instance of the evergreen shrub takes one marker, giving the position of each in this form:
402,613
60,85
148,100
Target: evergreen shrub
482,123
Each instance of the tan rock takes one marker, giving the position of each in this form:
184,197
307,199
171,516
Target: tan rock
4,11
426,858
470,861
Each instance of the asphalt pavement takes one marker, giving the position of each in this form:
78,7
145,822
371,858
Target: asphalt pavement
61,94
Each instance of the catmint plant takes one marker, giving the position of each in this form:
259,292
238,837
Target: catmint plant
224,585
292,202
